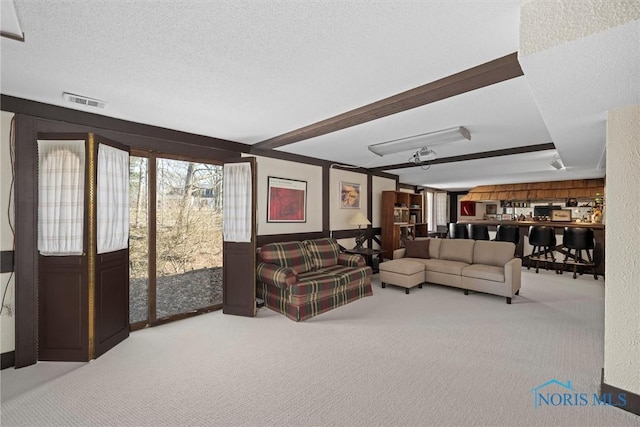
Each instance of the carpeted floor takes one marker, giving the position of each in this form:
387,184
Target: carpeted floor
434,357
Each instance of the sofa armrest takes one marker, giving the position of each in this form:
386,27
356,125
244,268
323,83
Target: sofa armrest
513,274
351,260
399,253
272,274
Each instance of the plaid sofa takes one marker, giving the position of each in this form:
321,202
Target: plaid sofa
304,279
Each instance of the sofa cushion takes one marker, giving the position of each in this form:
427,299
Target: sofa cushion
405,266
323,252
493,253
457,250
293,255
417,248
314,281
445,266
434,247
485,272
347,274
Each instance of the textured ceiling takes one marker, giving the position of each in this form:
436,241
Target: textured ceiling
247,71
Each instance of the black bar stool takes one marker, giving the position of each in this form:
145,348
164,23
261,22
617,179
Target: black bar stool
542,238
458,231
508,233
478,232
578,240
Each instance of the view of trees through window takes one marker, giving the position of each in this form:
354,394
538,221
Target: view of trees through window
188,235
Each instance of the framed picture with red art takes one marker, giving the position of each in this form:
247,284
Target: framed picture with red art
286,200
468,208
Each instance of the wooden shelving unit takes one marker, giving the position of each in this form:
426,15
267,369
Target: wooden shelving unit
402,219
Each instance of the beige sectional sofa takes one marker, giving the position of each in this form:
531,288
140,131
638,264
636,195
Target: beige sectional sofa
473,265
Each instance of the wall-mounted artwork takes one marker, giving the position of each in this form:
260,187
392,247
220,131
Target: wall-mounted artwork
492,209
468,208
349,195
286,200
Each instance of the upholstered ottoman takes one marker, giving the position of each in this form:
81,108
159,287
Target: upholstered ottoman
402,272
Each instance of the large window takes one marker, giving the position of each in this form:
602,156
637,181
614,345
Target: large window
176,238
188,236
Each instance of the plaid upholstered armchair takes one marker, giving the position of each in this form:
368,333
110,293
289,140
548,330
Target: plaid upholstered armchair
304,279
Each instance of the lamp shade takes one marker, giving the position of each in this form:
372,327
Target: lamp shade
359,219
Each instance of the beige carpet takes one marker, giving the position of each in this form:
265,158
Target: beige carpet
434,357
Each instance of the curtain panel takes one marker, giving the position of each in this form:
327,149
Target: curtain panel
112,208
61,177
236,209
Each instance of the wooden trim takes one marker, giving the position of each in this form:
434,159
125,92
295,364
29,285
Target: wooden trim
153,251
6,261
489,73
99,123
12,36
326,200
7,359
474,156
26,259
90,206
633,399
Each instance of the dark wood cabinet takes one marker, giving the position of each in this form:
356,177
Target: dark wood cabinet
402,219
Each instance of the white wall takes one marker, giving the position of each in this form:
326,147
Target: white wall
7,321
380,184
622,293
284,169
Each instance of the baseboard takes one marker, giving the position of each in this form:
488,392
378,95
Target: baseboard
8,359
633,399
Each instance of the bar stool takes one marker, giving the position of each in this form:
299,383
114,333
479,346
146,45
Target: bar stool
478,232
542,238
508,233
578,240
458,231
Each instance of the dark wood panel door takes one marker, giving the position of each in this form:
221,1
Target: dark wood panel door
111,287
239,261
111,300
63,317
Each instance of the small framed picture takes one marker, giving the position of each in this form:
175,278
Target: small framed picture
561,215
349,195
492,209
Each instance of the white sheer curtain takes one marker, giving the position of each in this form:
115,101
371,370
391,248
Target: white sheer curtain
61,172
112,209
441,208
236,209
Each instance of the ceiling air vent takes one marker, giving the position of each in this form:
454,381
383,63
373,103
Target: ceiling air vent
83,100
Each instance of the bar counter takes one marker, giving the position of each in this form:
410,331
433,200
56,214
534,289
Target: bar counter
598,231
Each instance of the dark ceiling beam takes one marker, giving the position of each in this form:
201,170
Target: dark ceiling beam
489,73
473,156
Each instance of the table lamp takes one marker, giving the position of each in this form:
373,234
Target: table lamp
359,219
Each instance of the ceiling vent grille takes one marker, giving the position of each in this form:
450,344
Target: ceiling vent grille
83,100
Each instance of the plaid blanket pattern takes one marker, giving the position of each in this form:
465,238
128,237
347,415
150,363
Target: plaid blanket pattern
276,299
314,281
281,277
351,260
347,275
293,255
323,252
